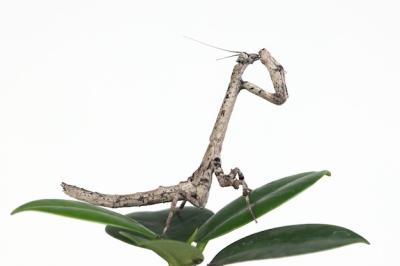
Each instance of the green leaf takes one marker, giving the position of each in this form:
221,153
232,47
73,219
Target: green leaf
175,252
183,225
85,211
262,200
287,241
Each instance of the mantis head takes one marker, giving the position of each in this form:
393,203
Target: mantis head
245,58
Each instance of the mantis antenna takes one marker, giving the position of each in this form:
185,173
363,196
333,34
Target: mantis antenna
215,47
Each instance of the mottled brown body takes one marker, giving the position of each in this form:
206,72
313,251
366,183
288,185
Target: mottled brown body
196,188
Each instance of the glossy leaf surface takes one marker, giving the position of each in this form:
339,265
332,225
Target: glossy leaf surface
287,241
262,199
183,225
85,211
176,253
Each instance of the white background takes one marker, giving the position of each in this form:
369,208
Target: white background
108,95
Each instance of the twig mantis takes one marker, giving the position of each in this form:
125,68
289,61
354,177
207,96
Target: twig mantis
196,188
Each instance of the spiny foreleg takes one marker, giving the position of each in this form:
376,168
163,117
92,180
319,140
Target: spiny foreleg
277,74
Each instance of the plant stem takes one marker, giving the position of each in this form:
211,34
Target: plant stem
201,245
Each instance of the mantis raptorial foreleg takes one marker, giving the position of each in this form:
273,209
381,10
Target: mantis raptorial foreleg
277,74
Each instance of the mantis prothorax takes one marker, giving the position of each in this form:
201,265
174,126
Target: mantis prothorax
196,188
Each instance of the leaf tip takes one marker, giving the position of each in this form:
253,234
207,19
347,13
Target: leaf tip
17,210
326,172
364,240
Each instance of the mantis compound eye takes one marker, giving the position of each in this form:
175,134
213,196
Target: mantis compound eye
246,58
254,57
